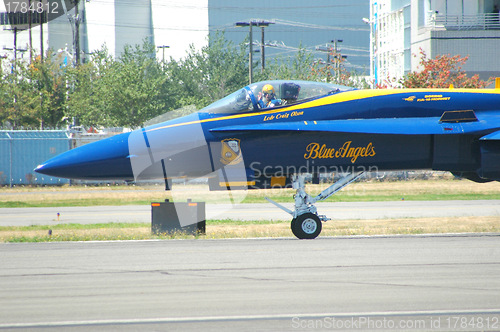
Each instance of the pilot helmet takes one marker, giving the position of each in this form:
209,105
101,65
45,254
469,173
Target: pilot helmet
268,89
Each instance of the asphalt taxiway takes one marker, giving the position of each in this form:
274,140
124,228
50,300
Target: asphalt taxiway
440,282
264,211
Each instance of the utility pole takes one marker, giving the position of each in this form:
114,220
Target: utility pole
250,24
328,49
262,50
15,45
337,56
75,21
41,33
250,57
77,33
163,47
30,20
14,49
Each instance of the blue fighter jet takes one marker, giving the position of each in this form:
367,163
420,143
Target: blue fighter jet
274,139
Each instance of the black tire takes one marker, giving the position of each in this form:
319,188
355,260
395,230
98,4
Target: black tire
306,226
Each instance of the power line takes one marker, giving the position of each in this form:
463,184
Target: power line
316,26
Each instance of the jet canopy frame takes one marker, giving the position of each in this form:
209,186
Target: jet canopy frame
288,91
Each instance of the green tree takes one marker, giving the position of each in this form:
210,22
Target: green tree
141,88
87,97
48,81
209,74
33,94
18,101
122,92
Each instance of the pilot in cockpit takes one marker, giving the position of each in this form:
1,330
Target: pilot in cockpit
267,98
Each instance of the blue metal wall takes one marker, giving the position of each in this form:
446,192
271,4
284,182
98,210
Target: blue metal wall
22,150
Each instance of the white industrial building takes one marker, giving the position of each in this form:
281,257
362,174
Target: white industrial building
400,28
115,23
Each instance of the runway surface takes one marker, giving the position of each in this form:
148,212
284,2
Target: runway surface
373,283
265,211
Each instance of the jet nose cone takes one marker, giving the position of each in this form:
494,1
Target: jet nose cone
105,159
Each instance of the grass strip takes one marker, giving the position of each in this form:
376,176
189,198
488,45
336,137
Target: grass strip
223,229
367,191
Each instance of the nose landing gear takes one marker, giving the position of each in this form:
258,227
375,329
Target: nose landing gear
306,223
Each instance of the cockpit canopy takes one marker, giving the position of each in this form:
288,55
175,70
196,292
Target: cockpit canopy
287,91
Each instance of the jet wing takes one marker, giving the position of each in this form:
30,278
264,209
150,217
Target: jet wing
395,126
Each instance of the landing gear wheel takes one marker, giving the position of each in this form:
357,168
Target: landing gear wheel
306,226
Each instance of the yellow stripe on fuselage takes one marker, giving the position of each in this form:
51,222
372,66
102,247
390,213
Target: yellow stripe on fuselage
332,99
364,94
